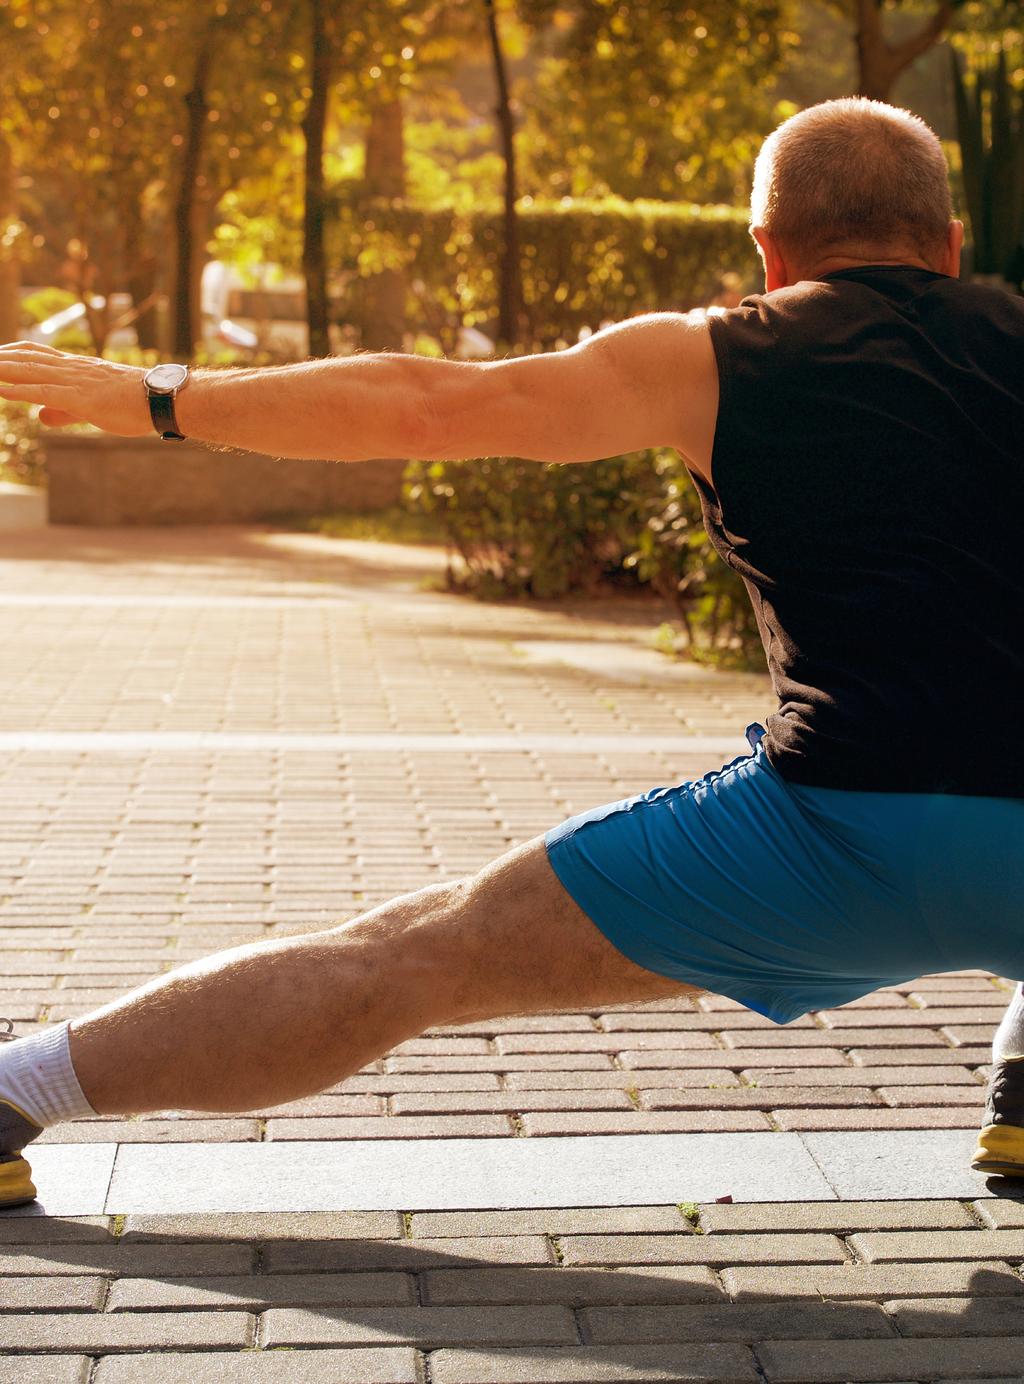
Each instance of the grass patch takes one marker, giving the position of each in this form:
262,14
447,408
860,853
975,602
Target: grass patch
391,525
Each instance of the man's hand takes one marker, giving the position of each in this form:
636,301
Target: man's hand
75,389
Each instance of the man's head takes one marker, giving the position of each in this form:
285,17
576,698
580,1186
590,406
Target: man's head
852,182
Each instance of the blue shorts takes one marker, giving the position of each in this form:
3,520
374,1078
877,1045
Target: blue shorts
788,898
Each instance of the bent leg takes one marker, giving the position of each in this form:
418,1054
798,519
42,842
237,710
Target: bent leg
272,1021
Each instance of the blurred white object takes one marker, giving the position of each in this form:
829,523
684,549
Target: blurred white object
473,345
52,325
235,335
215,284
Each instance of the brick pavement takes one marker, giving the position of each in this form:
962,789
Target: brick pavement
116,866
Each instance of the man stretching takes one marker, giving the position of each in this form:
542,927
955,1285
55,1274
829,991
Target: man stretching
855,436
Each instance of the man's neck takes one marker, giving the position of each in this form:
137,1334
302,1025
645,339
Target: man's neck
834,263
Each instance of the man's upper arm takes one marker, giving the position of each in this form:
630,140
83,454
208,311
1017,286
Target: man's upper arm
650,381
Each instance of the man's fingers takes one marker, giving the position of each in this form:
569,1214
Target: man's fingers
57,418
31,346
37,393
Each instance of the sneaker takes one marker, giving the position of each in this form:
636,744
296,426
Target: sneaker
1000,1150
16,1130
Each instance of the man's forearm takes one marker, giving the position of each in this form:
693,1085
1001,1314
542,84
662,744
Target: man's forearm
344,408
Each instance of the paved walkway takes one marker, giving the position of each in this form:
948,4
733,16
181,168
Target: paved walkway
215,736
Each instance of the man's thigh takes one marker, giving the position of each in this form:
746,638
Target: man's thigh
518,943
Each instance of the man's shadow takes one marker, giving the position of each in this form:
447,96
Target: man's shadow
431,1294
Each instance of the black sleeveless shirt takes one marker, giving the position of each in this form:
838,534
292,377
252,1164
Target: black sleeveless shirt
868,474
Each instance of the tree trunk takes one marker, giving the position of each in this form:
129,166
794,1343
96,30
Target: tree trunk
185,314
141,272
314,124
10,276
879,62
382,306
510,321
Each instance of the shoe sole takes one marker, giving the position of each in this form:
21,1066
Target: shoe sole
1000,1151
16,1186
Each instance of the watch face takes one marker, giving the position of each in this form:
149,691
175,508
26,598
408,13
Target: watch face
166,378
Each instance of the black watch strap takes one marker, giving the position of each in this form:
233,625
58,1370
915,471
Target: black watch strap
161,410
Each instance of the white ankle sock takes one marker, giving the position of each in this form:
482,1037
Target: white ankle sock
37,1076
1009,1039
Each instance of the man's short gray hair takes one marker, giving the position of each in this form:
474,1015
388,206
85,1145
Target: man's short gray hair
851,171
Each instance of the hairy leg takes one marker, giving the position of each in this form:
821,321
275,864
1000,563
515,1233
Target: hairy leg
272,1021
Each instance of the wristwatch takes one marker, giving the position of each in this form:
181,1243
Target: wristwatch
163,383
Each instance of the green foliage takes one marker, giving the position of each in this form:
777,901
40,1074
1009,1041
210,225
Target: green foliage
20,453
547,531
990,123
396,524
584,262
45,302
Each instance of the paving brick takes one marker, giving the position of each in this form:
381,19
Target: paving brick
966,1035
551,1221
507,1101
759,1098
958,1316
906,1017
698,1079
908,1057
930,1118
51,1294
722,1364
389,1082
833,1038
703,1249
54,1230
45,1369
880,1282
177,1260
933,1095
256,1292
426,1327
393,1366
343,1255
843,1216
1002,1213
734,1322
868,1076
262,1226
393,1127
797,1362
644,1122
533,1062
743,1058
883,1247
601,1042
150,1131
572,1287
100,1331
983,996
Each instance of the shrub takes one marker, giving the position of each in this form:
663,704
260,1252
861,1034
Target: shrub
584,262
523,529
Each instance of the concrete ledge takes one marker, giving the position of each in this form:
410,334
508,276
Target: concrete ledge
497,1174
22,506
102,481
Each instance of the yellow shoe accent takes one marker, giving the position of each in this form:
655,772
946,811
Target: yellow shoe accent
16,1186
1000,1151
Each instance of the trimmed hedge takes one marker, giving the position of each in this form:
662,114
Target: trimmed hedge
584,262
524,529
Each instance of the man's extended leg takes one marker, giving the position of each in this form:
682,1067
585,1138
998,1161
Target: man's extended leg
261,1024
1001,1141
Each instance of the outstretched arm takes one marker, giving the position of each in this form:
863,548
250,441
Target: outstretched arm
650,381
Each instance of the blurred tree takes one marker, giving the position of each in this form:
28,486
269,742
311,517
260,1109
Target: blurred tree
510,312
652,99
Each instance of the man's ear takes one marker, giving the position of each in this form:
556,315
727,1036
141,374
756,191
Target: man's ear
776,271
954,245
